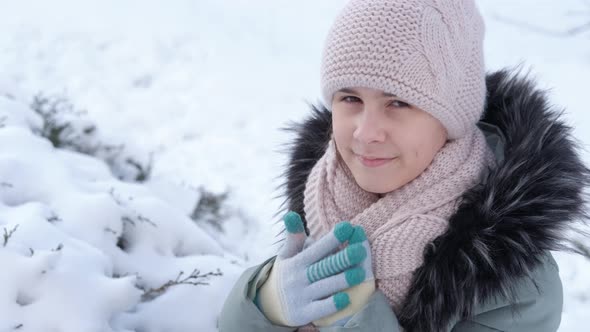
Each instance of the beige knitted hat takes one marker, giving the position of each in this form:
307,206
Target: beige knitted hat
429,53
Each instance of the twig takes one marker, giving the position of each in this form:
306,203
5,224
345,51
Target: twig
8,234
195,278
115,197
578,29
110,230
143,171
128,219
146,219
567,33
54,218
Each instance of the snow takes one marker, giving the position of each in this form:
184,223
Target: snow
63,216
203,87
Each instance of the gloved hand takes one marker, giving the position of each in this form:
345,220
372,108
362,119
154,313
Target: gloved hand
359,295
304,284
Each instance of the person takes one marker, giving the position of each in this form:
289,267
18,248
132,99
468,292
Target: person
426,194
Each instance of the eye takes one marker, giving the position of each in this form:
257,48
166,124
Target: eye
350,99
399,103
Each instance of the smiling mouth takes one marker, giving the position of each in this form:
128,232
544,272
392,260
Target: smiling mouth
373,162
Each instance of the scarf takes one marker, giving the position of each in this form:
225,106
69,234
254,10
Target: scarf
400,223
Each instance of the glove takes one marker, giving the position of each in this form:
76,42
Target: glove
304,284
359,295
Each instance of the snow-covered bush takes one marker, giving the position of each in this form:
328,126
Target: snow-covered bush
68,128
81,250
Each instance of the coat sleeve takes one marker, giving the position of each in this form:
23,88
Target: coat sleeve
376,315
536,310
239,313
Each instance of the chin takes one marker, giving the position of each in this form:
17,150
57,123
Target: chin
372,183
375,188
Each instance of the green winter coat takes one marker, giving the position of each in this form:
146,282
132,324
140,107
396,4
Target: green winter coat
491,270
534,311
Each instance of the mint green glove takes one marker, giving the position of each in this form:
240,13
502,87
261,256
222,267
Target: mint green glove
304,284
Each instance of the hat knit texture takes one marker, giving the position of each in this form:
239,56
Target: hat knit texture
428,53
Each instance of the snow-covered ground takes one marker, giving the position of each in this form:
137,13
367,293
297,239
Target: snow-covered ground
205,86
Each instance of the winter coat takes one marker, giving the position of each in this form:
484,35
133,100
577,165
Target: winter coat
492,269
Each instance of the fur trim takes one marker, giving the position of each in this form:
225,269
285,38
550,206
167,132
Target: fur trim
504,225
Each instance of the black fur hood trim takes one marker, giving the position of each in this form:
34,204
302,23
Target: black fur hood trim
503,226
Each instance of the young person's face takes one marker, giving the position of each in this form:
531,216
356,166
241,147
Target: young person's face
384,141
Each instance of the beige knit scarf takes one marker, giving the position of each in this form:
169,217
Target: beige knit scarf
402,222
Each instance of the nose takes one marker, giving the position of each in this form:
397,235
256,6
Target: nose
369,128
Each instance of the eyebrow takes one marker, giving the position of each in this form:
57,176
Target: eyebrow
353,91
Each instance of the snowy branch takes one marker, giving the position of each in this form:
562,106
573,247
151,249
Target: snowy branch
127,219
195,278
54,218
110,230
68,128
8,234
211,208
143,171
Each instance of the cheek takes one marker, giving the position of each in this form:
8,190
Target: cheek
418,144
342,145
342,130
426,148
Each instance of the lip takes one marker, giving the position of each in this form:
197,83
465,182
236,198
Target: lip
373,162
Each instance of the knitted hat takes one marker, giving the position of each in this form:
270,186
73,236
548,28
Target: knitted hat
429,53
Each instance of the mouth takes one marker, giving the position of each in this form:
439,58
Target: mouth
373,161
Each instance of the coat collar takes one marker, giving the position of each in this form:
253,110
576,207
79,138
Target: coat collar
504,224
